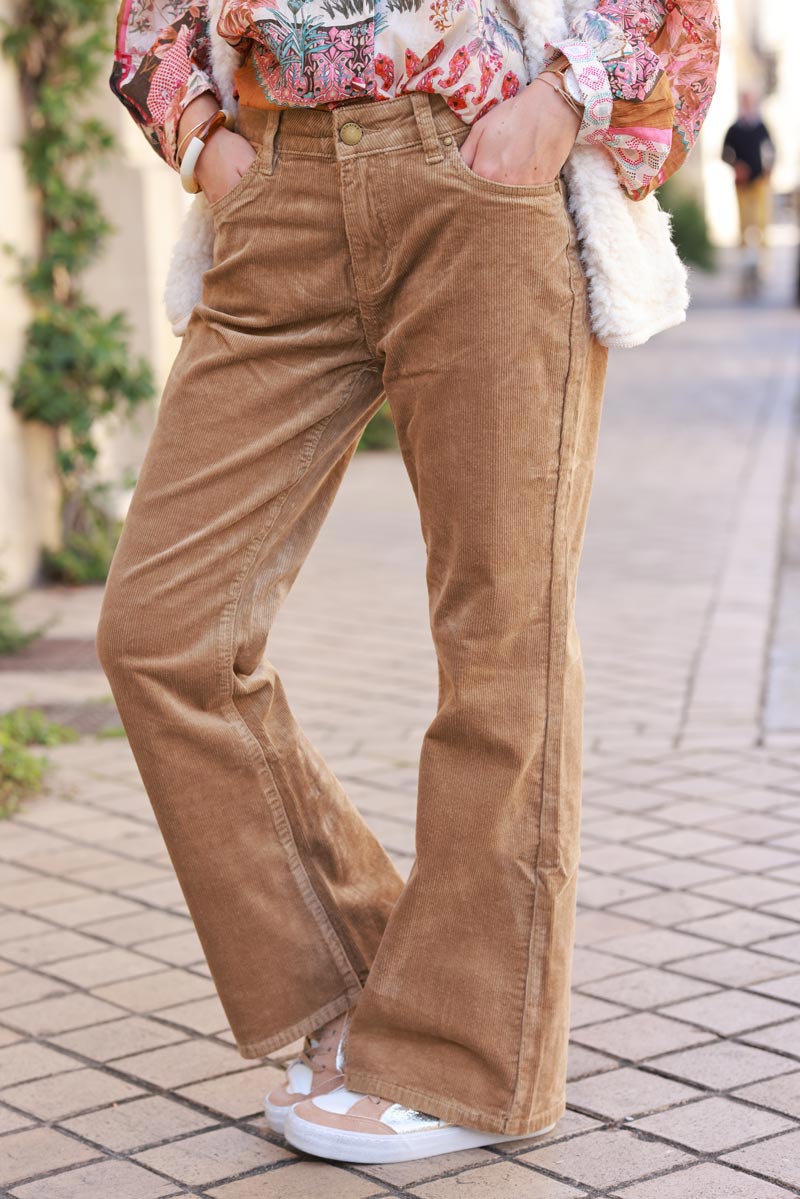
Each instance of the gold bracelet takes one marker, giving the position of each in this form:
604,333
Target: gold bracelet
562,91
186,137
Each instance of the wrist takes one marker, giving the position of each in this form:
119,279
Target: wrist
554,82
197,143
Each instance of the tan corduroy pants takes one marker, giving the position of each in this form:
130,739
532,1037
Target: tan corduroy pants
359,253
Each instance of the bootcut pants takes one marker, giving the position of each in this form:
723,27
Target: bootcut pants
359,254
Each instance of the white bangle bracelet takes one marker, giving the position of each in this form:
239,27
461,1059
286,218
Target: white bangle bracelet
191,155
189,162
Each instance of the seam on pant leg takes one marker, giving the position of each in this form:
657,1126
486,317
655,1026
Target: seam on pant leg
250,741
522,1087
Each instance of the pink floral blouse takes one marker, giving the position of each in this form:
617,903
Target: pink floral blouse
644,69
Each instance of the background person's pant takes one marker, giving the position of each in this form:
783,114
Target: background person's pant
348,260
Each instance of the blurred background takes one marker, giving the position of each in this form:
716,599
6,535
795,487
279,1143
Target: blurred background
685,1052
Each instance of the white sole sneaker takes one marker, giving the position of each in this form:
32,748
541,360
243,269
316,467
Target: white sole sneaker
375,1149
276,1115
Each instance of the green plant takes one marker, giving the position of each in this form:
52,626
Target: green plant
380,432
689,226
21,772
12,636
75,365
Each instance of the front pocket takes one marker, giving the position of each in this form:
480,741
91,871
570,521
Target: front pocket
553,187
252,171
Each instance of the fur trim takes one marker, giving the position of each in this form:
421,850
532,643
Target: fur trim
637,282
193,252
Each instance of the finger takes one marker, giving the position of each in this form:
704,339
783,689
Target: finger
469,146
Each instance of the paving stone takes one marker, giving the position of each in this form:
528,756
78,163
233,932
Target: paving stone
758,889
605,1158
95,970
62,1095
675,873
742,928
570,1123
734,967
600,890
657,946
146,924
176,1065
646,988
782,1094
406,1174
723,1065
211,1157
40,891
779,1158
713,1125
706,1181
22,986
509,1179
582,1061
787,988
182,950
157,992
119,1038
237,1095
117,1179
24,1060
627,1092
51,947
730,1012
638,1037
138,1123
669,908
751,858
201,1015
784,1038
305,1180
586,1009
12,1121
59,1014
37,1151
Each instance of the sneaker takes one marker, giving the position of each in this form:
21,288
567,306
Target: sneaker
346,1126
317,1070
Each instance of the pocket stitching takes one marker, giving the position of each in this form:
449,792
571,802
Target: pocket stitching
252,172
531,190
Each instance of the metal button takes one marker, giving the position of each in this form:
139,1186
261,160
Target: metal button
447,140
351,133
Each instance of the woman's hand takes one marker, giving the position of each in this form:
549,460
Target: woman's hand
225,156
523,141
222,162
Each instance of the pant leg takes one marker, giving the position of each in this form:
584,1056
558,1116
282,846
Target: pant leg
495,381
271,388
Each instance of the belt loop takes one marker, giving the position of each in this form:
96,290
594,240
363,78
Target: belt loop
273,116
421,102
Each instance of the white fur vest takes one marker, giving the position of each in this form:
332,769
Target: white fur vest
637,283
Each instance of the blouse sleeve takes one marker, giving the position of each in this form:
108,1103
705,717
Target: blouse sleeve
645,71
162,62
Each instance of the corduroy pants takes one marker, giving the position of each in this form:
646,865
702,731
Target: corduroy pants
360,254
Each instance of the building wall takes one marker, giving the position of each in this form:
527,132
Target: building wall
144,200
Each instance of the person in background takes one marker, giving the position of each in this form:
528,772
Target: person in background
749,149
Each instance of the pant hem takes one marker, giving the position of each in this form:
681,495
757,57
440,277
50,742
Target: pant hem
448,1109
256,1049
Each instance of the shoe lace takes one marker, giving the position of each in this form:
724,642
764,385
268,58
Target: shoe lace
315,1046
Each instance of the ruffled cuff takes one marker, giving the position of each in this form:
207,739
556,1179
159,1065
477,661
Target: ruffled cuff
588,82
197,84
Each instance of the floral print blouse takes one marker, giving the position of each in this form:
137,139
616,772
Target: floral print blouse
644,69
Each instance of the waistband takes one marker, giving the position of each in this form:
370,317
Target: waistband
356,127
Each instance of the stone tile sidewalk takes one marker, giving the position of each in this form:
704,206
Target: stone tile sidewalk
118,1078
